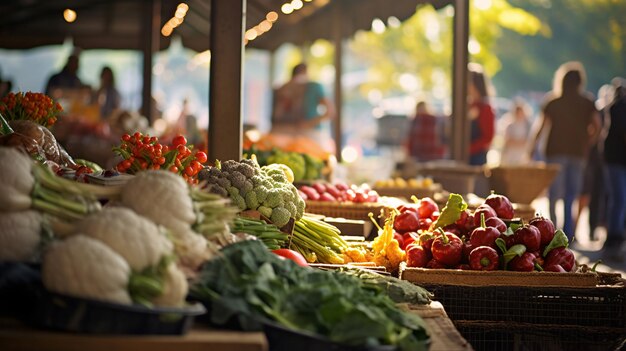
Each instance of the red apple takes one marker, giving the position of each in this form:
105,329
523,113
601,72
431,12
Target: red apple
501,204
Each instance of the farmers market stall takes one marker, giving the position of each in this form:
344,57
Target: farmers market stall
168,243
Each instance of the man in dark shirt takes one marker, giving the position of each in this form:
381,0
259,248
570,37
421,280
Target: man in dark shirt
67,78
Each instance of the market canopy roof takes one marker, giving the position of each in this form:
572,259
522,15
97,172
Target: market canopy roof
120,24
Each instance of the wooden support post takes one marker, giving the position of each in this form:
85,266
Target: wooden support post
228,18
338,40
150,45
460,124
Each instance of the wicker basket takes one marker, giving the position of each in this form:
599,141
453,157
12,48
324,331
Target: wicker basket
347,210
522,184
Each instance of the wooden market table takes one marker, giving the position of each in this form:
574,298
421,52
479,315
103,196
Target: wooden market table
18,337
15,336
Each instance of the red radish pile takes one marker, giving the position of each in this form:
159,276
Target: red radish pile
338,192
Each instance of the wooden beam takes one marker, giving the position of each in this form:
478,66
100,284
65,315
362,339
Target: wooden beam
460,124
338,40
228,18
150,39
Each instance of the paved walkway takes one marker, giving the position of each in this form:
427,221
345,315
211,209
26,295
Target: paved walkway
587,252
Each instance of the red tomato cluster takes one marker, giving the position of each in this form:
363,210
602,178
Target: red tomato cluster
142,152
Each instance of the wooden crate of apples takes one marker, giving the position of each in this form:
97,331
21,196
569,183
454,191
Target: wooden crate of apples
406,188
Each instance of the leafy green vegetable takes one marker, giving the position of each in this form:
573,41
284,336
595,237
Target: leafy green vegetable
250,285
559,240
452,211
400,291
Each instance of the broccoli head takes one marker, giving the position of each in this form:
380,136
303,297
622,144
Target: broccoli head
237,179
279,177
229,166
261,193
239,201
280,216
247,187
300,206
223,182
245,169
293,160
251,200
291,207
274,198
266,211
216,189
232,191
257,180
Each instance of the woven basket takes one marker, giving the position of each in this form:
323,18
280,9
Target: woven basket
347,210
522,184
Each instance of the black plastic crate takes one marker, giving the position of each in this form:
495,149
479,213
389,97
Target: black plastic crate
590,307
505,336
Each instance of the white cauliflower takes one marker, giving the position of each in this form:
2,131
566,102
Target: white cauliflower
175,288
137,239
85,267
20,235
163,197
16,180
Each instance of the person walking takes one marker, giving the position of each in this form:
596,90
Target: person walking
424,142
302,109
517,127
615,158
571,119
481,115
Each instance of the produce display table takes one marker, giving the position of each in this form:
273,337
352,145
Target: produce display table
444,335
17,337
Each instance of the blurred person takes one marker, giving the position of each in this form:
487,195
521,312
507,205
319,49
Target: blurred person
5,86
615,158
481,115
517,129
66,79
296,109
187,124
424,141
595,178
570,116
107,96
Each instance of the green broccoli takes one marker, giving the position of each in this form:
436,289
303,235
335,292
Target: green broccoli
274,198
261,193
280,216
266,211
300,206
257,180
239,201
291,207
251,200
279,177
232,191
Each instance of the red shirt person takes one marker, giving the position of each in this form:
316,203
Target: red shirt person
481,115
424,141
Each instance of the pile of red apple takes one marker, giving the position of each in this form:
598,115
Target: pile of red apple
486,239
337,192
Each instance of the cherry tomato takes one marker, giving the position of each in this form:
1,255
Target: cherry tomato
201,157
197,166
137,135
182,150
292,255
161,160
174,169
146,139
179,140
125,137
189,171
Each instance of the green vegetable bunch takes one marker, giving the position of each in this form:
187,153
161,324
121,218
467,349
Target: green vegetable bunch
249,285
293,160
251,187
